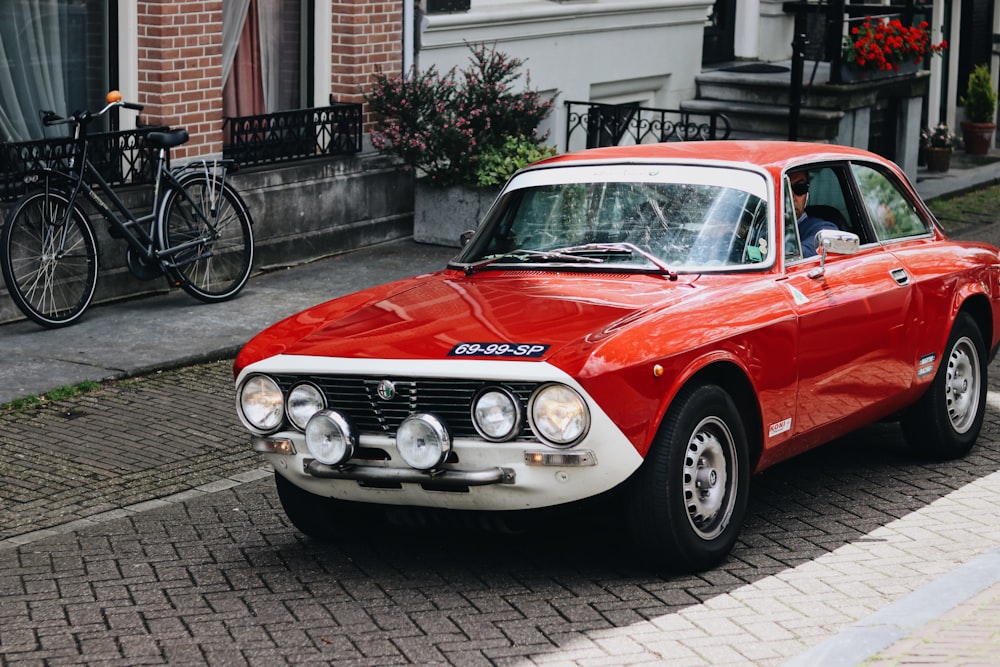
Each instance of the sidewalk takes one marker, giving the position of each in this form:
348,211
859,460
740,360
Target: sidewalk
952,619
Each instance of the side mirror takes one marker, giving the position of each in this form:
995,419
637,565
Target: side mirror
833,242
465,237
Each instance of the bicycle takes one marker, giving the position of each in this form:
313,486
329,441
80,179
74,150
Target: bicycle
197,234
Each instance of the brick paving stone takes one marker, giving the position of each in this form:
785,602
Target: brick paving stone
173,564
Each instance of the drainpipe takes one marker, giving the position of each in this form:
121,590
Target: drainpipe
408,13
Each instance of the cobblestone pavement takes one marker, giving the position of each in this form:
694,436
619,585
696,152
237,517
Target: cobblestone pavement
136,527
100,564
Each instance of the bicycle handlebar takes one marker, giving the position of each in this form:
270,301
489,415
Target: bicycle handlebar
114,99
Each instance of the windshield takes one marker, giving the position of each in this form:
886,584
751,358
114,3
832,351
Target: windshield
637,217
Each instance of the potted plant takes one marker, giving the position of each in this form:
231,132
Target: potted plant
937,144
881,45
463,133
980,103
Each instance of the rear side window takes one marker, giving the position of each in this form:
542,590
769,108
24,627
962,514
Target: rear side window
892,213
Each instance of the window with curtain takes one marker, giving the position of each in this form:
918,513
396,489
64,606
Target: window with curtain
55,55
265,48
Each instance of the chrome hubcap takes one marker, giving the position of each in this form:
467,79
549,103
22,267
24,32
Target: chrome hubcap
710,477
962,385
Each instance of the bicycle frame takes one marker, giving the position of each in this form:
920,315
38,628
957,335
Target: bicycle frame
196,233
139,232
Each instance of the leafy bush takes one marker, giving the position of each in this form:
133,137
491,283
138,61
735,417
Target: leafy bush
497,164
980,99
444,125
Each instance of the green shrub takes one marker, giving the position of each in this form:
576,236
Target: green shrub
497,164
980,99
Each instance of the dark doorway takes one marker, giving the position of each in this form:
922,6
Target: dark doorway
976,45
720,32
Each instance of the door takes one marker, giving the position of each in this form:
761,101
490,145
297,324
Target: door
720,33
855,349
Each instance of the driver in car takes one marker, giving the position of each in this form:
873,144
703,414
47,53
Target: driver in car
808,224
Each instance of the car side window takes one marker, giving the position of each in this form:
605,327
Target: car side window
892,213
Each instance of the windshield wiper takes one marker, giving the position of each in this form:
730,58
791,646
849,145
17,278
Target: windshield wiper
620,248
529,255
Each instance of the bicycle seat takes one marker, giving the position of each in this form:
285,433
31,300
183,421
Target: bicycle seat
167,139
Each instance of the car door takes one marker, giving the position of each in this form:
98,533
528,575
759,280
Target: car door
854,350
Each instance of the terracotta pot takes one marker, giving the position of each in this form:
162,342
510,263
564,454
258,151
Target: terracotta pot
978,137
938,159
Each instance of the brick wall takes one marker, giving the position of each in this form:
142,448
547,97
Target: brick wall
180,70
180,61
367,36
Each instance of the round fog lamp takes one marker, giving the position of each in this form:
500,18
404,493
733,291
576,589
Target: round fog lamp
496,415
330,438
422,441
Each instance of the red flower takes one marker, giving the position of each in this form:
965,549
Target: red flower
883,44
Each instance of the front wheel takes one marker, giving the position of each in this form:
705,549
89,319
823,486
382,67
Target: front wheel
685,507
946,421
323,519
206,232
49,259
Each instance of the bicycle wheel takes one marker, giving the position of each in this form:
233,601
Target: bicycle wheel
49,259
210,248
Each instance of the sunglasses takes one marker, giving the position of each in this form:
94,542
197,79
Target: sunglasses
800,188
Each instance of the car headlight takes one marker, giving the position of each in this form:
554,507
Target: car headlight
304,400
330,438
559,415
496,414
261,403
422,441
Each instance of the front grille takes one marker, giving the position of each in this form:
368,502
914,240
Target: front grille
448,399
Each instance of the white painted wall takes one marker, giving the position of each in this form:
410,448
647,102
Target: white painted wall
646,51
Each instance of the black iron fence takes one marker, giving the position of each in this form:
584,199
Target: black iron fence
591,124
293,135
123,159
120,157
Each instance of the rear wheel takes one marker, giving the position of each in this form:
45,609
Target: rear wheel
210,226
686,505
49,259
946,421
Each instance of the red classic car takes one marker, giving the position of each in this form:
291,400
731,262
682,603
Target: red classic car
646,324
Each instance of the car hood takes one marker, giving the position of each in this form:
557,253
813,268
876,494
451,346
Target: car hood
497,314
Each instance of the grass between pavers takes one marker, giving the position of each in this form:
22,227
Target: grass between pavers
58,394
980,206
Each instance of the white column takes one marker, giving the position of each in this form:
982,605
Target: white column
322,53
128,59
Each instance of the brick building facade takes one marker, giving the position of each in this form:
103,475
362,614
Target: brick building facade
179,56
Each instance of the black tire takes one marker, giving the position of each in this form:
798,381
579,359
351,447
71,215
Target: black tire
323,519
217,267
686,505
50,268
945,422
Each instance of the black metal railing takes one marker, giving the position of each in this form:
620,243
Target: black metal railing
293,135
120,157
819,37
820,26
617,124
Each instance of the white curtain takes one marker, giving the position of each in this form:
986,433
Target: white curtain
234,15
32,75
270,22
